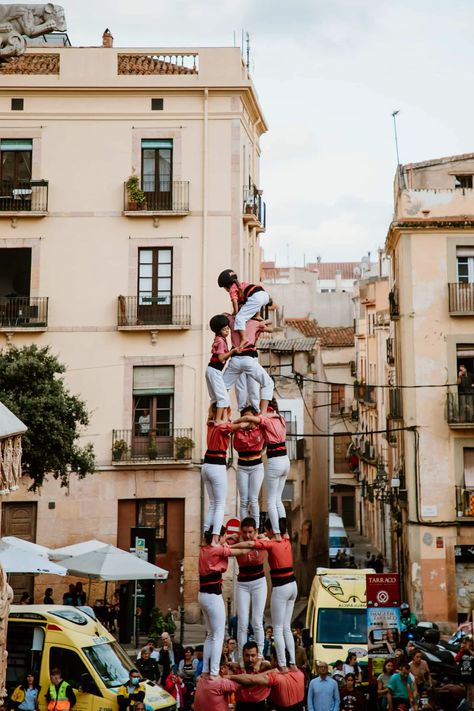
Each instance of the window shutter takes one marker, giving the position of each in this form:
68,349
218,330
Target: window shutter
469,467
153,380
157,143
16,144
464,251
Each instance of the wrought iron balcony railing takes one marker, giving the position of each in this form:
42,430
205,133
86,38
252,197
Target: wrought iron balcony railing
24,196
164,443
464,502
460,408
395,404
461,298
253,204
23,311
170,197
139,311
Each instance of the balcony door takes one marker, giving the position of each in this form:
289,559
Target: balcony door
155,275
157,173
15,160
153,411
465,264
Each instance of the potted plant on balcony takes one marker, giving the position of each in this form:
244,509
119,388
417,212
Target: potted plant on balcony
136,196
183,446
119,448
152,446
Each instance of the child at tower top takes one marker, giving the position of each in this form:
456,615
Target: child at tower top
247,299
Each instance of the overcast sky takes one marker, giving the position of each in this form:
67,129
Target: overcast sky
329,73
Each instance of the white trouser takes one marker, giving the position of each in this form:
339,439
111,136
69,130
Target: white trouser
281,606
276,472
251,307
216,388
213,611
248,392
253,593
250,366
214,477
249,483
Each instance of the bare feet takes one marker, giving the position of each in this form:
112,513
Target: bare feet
293,667
283,670
278,537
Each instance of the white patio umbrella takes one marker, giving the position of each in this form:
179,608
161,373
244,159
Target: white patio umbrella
15,560
27,546
76,549
111,563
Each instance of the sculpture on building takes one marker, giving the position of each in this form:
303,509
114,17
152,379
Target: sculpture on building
19,22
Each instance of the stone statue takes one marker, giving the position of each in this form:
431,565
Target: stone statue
19,22
6,597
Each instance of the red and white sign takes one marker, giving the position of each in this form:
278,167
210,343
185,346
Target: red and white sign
383,590
233,527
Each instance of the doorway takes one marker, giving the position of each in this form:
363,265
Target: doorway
19,519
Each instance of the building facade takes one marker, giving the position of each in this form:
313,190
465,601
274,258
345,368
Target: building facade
130,179
431,245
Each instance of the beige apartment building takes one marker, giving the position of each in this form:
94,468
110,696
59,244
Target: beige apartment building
431,245
122,285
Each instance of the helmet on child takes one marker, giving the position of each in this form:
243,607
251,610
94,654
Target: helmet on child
226,278
217,323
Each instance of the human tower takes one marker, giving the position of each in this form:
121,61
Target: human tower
259,427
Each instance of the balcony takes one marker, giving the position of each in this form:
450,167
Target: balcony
149,313
24,198
460,409
23,313
254,209
390,351
395,404
365,394
173,202
461,299
464,502
160,445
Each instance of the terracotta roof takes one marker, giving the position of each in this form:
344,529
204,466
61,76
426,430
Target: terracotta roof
327,270
438,161
286,345
330,337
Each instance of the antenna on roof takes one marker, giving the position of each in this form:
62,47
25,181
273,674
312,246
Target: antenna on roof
247,39
394,116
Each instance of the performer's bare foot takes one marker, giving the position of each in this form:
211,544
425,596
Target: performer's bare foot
283,670
293,667
205,675
278,537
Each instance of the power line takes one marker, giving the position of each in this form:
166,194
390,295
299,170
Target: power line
351,385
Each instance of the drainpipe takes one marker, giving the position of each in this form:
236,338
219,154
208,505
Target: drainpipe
204,345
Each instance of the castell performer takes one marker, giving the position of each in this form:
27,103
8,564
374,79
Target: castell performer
213,561
251,589
284,589
249,444
247,299
244,360
277,466
214,470
220,353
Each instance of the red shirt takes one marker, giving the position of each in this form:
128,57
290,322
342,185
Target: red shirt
211,694
251,694
219,345
280,558
253,329
213,559
249,440
286,689
236,289
273,428
218,437
250,565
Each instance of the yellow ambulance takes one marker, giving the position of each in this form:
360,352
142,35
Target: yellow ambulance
337,614
41,637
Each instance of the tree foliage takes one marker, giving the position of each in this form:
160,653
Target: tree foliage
32,387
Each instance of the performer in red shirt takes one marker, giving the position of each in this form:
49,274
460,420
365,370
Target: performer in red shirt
286,690
214,470
251,589
213,561
220,353
211,694
284,589
249,444
251,698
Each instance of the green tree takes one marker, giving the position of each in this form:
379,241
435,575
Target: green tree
31,386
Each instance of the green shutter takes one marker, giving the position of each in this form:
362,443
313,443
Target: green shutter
16,144
157,143
153,380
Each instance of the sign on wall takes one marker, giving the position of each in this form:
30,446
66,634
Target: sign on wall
383,614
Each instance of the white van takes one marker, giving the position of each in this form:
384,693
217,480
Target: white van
338,538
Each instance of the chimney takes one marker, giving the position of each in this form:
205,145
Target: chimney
107,39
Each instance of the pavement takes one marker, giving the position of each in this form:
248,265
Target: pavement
195,633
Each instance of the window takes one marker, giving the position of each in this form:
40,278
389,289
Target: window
465,264
462,181
155,270
152,514
157,173
17,104
15,160
157,104
468,455
338,393
342,626
153,395
110,663
341,460
74,671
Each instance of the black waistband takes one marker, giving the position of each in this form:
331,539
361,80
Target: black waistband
276,449
249,462
275,445
215,589
216,364
252,289
215,456
251,568
210,578
248,573
284,580
252,353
